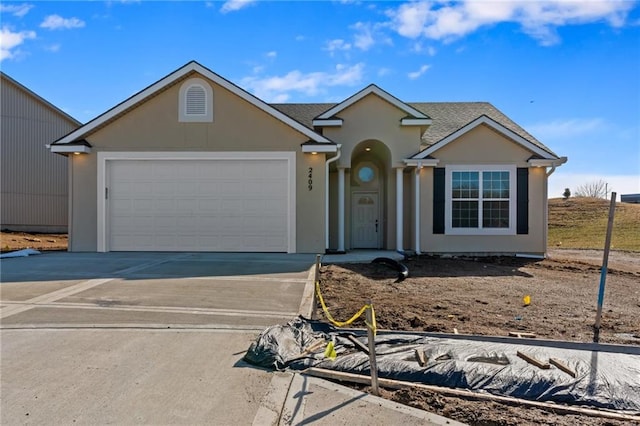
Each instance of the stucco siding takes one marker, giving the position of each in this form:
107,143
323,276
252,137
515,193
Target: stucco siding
33,181
373,118
484,146
237,126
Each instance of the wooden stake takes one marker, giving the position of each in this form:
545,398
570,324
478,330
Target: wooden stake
358,344
463,393
373,364
562,366
422,359
534,361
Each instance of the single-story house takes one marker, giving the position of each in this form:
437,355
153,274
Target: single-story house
33,183
195,163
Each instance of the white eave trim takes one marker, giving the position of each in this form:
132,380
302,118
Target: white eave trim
547,162
171,78
428,162
416,122
319,148
68,149
495,126
372,88
327,123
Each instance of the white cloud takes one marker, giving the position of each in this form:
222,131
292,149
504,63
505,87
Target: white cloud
566,129
417,74
53,48
338,44
621,184
18,10
9,40
234,5
57,22
383,71
539,19
279,88
272,54
363,39
419,48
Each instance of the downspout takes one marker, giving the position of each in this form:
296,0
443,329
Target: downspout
326,196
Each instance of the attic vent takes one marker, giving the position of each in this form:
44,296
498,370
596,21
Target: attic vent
196,100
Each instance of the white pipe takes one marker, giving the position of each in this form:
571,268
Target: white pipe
326,196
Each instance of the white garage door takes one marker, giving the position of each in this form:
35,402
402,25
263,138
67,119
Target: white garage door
198,205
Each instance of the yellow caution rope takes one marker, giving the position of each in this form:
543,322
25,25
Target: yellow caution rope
362,310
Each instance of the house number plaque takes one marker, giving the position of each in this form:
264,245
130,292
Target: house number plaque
310,176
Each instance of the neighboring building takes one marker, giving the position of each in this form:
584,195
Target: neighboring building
630,198
33,183
195,163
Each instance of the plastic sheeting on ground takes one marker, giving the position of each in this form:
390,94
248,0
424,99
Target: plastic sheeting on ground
19,253
603,379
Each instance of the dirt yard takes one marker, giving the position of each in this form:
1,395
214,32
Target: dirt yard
10,241
485,296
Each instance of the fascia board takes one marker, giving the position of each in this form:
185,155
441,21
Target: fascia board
319,148
68,148
327,123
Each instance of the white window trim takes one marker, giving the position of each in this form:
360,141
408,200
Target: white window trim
450,230
183,117
104,157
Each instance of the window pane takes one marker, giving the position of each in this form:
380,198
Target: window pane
465,184
464,214
495,184
495,214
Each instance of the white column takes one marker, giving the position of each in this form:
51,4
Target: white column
341,209
399,205
417,208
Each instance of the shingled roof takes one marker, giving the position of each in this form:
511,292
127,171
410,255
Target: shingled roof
447,117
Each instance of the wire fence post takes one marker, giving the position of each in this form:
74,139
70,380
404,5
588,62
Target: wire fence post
603,271
372,350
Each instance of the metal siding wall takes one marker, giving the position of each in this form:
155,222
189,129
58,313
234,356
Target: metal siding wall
33,181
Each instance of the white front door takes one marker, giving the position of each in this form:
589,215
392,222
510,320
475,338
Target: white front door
366,223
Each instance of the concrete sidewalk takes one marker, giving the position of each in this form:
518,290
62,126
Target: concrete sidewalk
296,399
158,338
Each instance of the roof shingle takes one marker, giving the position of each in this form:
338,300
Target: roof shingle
447,117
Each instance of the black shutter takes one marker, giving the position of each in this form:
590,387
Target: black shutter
438,200
522,201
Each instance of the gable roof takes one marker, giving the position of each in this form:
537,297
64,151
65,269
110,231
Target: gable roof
40,99
487,121
173,78
373,89
447,118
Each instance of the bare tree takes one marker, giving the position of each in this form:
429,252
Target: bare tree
595,189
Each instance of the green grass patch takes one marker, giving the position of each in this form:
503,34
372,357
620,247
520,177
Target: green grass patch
582,223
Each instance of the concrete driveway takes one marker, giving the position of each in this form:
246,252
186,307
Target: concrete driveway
131,338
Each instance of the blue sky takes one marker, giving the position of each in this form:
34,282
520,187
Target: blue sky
567,71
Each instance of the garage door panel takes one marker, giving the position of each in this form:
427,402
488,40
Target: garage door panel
198,205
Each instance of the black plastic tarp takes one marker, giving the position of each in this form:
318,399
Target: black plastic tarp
603,379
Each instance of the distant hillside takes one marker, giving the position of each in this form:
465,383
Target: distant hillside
582,223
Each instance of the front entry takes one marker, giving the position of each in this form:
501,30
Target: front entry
366,223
